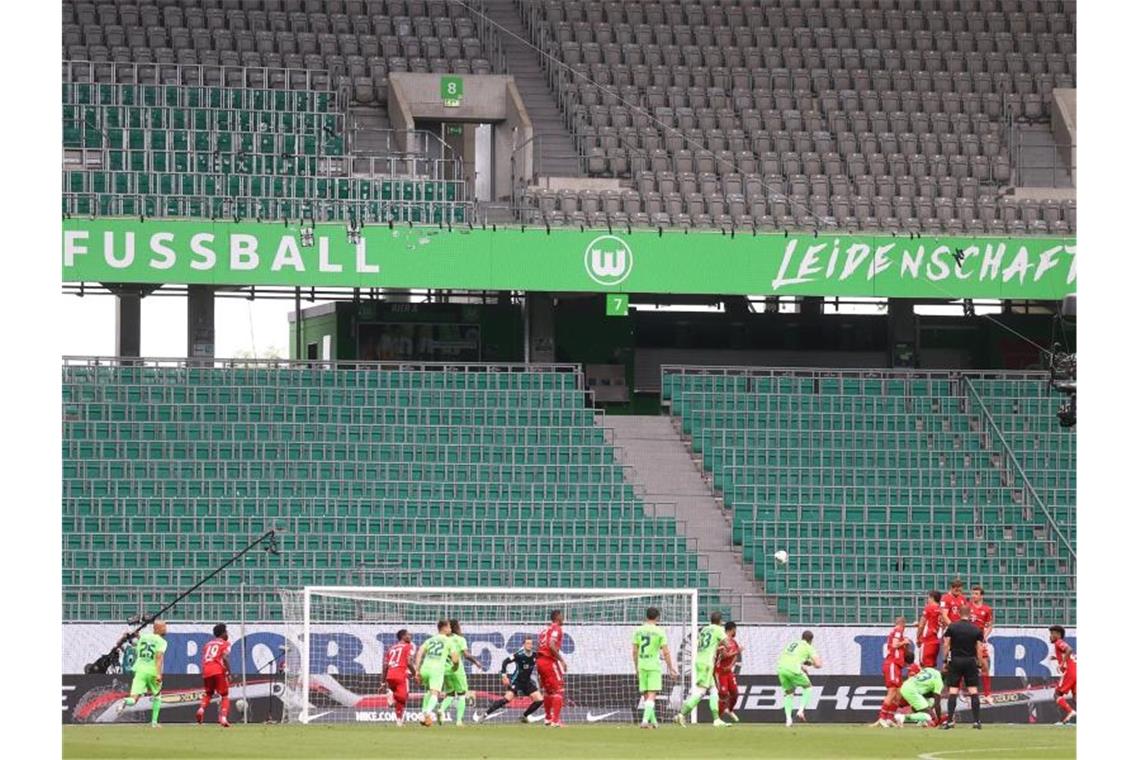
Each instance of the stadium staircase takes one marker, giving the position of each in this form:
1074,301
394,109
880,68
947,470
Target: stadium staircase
883,485
663,468
375,475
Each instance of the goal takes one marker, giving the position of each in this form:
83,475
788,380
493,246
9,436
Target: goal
337,636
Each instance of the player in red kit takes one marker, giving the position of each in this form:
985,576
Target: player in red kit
929,626
894,671
951,603
552,669
728,655
216,674
982,615
397,665
1067,662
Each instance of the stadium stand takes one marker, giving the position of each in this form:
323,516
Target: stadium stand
882,484
786,115
386,476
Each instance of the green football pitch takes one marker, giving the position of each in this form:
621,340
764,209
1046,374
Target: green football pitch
596,742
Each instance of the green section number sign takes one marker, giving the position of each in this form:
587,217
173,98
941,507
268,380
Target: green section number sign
451,90
617,305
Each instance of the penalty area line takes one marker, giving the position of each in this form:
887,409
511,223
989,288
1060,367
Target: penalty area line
944,753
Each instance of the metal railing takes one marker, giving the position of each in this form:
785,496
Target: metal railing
1011,458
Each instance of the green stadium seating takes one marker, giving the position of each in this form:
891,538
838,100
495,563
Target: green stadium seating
376,476
883,487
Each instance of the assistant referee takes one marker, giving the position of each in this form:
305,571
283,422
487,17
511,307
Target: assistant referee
963,646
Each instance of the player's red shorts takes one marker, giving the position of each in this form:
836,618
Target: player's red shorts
892,675
727,690
399,689
1068,683
929,657
216,684
550,675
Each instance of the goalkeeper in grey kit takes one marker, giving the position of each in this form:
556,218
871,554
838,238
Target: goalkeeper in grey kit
519,682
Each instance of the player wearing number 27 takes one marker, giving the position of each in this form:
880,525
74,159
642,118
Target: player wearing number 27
708,643
397,661
216,675
649,646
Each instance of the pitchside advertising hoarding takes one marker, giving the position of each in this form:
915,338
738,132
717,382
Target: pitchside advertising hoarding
644,261
346,662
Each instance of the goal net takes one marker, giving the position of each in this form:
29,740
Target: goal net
337,638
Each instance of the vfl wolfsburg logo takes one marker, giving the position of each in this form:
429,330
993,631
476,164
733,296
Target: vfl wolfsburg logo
609,260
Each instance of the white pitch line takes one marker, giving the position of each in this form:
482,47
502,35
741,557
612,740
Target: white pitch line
939,755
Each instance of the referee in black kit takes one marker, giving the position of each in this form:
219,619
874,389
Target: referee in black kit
963,646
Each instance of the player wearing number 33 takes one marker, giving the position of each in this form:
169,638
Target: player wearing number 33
649,645
708,642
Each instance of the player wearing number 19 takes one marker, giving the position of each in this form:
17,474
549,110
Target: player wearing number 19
649,645
216,675
149,653
708,641
791,669
431,660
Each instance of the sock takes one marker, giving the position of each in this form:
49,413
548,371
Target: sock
129,701
224,710
399,710
432,700
501,703
647,712
547,705
802,699
1064,705
916,717
714,704
788,706
953,707
155,706
532,709
691,703
986,682
884,711
976,707
460,707
446,703
205,703
556,708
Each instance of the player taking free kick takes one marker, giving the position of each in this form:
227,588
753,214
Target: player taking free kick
708,642
791,669
649,646
727,658
216,675
397,662
552,669
431,659
149,653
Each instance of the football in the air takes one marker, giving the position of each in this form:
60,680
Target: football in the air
781,557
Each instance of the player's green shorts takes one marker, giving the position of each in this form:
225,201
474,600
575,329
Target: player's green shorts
918,702
145,683
648,680
705,675
455,681
432,678
791,679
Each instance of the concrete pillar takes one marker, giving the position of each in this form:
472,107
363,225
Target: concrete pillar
128,322
902,333
539,328
200,321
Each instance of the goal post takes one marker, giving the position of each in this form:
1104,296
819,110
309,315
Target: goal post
337,637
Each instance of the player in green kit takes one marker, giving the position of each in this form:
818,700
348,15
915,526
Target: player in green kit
791,669
707,643
649,645
431,660
455,676
921,691
149,653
